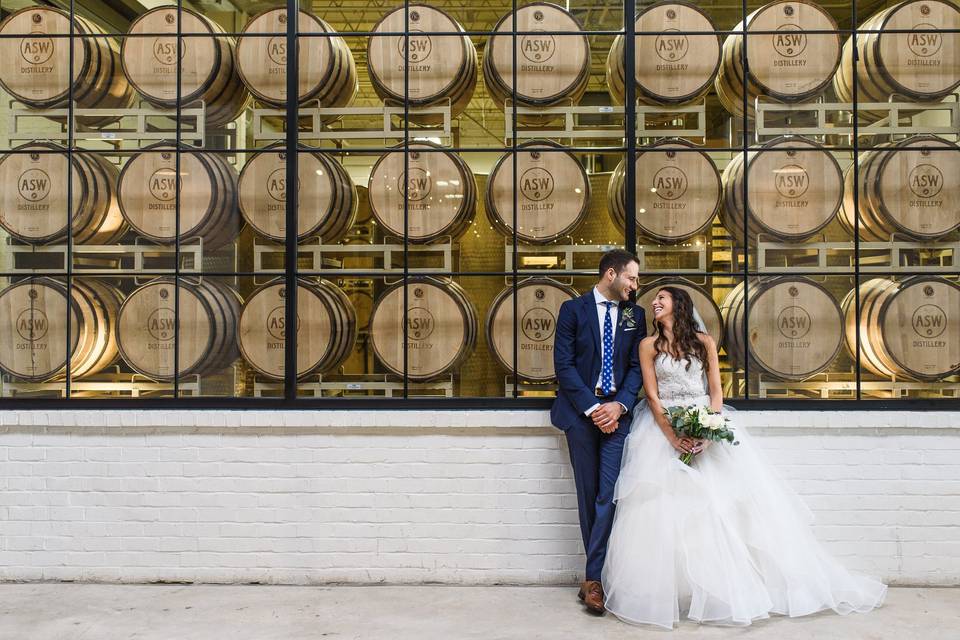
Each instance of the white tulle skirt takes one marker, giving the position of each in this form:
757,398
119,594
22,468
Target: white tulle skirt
724,541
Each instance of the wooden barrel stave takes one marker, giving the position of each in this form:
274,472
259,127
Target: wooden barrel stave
328,197
208,195
35,312
771,64
687,192
442,328
908,329
326,328
909,66
806,189
35,210
209,312
905,188
669,71
553,198
209,72
441,192
544,79
538,304
328,73
40,80
441,68
796,327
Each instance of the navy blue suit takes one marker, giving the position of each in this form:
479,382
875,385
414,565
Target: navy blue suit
595,456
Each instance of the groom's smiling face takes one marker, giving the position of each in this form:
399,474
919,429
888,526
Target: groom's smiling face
625,282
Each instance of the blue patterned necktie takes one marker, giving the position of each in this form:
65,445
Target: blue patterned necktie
606,371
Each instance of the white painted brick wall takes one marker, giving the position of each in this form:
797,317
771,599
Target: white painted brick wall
391,496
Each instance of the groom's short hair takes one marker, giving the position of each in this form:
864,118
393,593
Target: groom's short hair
616,259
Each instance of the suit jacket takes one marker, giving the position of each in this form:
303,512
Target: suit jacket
577,356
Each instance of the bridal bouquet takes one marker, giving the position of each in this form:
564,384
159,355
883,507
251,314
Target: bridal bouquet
700,423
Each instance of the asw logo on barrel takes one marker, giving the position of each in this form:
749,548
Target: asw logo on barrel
671,47
420,323
925,181
32,325
538,48
924,45
791,181
36,50
538,324
929,321
33,185
670,183
536,184
790,41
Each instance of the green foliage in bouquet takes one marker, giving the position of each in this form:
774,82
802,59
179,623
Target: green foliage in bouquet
699,423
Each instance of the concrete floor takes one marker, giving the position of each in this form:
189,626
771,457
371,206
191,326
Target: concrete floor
175,612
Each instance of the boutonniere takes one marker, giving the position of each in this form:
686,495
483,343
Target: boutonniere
626,318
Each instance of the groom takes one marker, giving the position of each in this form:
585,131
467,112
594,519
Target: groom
597,362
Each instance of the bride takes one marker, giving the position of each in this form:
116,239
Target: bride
723,540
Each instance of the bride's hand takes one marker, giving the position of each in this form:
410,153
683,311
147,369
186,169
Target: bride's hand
683,445
700,445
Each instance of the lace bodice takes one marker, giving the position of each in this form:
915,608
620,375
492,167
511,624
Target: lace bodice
675,384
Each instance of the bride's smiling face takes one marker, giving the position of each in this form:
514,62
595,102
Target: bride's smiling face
662,306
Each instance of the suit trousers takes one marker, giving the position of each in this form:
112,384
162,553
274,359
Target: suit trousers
596,457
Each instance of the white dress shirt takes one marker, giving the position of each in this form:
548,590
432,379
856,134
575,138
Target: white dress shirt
601,315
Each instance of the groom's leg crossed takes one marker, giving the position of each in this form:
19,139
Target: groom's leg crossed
611,455
583,441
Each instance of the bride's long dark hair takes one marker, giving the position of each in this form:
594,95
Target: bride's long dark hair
685,340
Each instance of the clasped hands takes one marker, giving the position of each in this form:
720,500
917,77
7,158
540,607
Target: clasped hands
607,415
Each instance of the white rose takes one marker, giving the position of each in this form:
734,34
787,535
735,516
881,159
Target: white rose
703,414
714,422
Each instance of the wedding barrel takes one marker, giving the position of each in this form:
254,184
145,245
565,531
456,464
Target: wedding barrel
785,62
33,207
327,197
208,313
702,300
794,190
326,328
441,192
673,64
34,67
796,327
420,69
441,328
208,72
326,74
908,187
552,194
914,63
552,69
208,196
677,191
538,304
34,314
908,329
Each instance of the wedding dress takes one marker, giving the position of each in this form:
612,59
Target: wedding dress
725,540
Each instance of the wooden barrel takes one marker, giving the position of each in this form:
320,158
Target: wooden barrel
702,300
208,72
441,192
326,328
441,328
208,315
327,197
327,73
553,192
538,303
673,65
908,329
33,313
677,191
907,187
913,66
208,195
794,189
437,68
786,64
34,66
553,69
33,208
796,327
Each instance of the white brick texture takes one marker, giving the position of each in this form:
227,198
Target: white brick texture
467,497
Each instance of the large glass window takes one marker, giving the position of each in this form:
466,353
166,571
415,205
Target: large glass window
422,185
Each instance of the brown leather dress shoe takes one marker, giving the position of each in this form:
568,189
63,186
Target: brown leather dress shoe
591,592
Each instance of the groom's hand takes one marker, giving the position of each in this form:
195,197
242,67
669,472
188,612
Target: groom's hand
607,415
